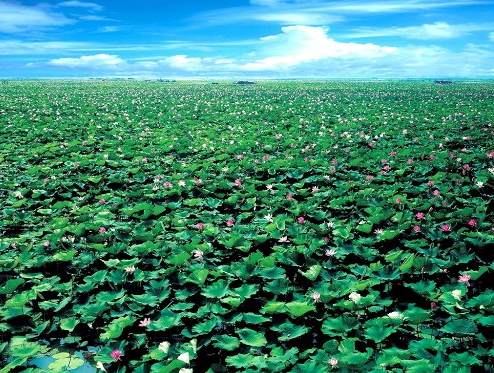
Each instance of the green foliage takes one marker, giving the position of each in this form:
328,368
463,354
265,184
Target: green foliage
223,228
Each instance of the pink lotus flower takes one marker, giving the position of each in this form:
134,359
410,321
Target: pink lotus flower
330,252
145,322
369,177
378,231
284,239
167,184
416,228
446,228
398,200
316,296
433,305
200,226
198,254
289,196
333,362
102,230
436,192
430,183
464,279
229,223
130,269
419,215
301,219
46,244
472,223
197,181
115,354
238,182
102,201
410,160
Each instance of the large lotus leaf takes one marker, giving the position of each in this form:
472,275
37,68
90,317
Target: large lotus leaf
288,330
65,361
378,333
246,290
11,285
226,342
69,323
339,325
278,286
252,338
241,361
116,327
313,272
298,309
217,289
465,358
460,327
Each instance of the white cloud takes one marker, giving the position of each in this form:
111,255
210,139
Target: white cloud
297,18
93,17
318,12
182,62
301,44
266,2
81,4
96,61
16,18
106,29
395,6
17,47
491,36
434,31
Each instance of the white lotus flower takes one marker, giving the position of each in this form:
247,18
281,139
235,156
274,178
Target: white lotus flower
397,315
184,357
456,294
355,297
164,346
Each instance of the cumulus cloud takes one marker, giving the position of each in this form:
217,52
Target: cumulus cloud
16,18
434,31
96,61
183,62
301,44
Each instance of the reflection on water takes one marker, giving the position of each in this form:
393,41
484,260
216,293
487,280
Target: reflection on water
85,355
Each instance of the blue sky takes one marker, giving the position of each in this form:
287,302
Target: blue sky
247,39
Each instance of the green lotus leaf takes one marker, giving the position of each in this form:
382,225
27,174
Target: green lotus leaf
310,367
226,342
252,338
241,361
298,309
289,330
217,289
65,361
312,273
116,327
460,327
198,277
11,285
378,333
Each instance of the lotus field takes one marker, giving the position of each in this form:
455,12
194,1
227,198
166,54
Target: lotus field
305,227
